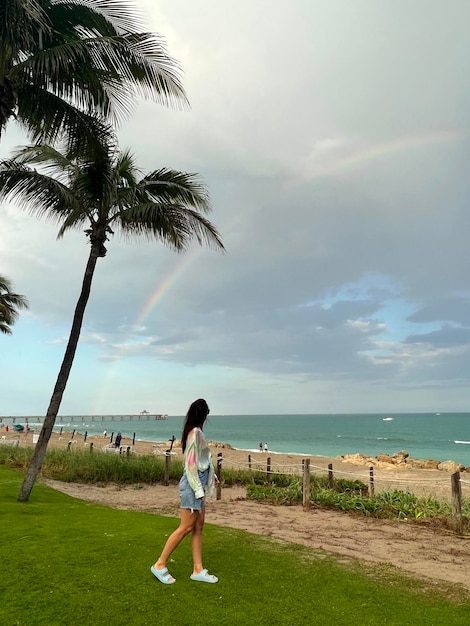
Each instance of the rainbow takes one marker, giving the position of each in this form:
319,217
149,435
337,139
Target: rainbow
382,149
165,285
150,304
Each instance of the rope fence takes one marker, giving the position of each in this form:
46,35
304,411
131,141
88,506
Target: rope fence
305,470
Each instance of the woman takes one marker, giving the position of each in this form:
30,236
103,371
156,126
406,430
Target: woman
198,473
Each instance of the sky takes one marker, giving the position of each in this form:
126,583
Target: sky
334,140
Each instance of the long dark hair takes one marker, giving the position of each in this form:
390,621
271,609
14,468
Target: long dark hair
195,418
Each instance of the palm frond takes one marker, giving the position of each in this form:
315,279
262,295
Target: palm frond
9,304
121,16
169,185
37,193
173,224
149,68
102,25
83,132
68,72
52,160
19,21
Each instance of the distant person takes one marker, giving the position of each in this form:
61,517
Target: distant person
117,441
198,474
265,447
261,446
105,432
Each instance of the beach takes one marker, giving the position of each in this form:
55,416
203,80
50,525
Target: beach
415,548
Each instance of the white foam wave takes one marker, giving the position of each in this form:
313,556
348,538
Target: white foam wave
464,442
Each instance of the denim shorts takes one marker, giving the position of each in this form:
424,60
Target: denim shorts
187,498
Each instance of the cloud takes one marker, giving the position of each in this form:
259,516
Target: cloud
334,139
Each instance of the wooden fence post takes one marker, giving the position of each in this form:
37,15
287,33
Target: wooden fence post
219,476
91,447
306,484
331,481
249,461
371,481
166,478
268,470
457,502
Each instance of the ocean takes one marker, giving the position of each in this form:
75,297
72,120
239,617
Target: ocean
439,436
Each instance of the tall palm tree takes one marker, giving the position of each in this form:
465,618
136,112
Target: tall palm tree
9,304
105,196
63,62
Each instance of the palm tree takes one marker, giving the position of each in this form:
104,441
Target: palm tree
63,63
9,304
105,196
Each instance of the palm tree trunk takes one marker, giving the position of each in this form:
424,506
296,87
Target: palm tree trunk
35,464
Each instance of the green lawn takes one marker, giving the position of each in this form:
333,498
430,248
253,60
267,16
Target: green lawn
65,562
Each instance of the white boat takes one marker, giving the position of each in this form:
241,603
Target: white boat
387,419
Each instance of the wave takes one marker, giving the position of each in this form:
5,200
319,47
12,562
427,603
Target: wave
464,442
365,439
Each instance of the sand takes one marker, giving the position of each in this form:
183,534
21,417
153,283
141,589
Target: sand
416,549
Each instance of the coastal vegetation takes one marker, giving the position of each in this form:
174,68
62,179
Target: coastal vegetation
66,561
10,302
350,496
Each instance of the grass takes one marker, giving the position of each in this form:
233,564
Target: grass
65,562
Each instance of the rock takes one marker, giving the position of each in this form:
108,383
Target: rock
423,463
402,460
355,459
218,444
399,458
384,458
402,453
451,466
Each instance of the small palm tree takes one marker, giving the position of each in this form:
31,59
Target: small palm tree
104,196
9,304
64,62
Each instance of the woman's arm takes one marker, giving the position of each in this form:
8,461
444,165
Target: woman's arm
191,458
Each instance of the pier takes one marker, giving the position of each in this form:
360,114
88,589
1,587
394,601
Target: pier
18,419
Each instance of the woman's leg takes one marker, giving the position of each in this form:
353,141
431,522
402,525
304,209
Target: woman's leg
196,547
196,540
187,522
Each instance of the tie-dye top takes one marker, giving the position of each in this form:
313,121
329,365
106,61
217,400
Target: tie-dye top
197,456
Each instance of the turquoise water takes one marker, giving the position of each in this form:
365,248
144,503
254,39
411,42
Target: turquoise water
423,435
